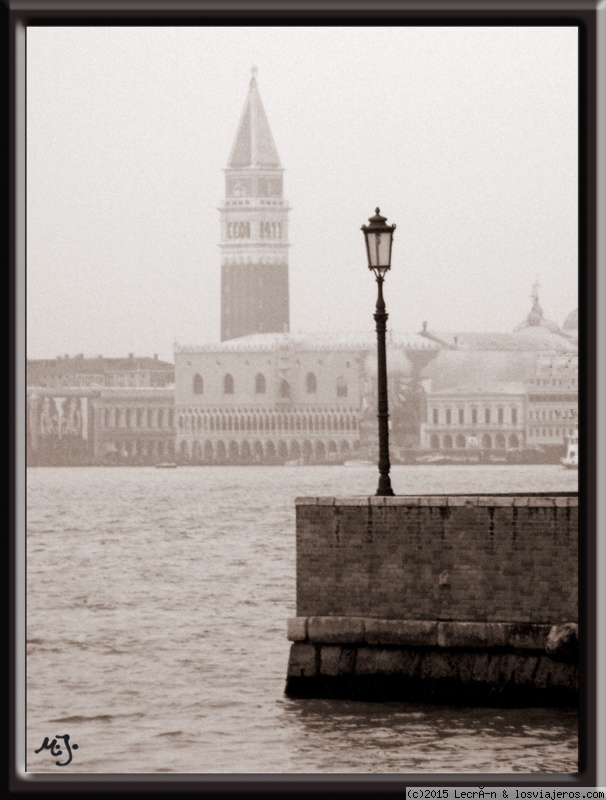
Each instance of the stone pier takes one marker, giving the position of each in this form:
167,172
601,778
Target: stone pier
457,599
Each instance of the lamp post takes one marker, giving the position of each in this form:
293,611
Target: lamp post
378,238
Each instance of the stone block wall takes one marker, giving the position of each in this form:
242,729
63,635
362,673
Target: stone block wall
458,599
475,558
455,662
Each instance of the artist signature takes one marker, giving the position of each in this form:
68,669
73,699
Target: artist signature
56,750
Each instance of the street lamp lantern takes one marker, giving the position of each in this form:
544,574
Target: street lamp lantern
379,236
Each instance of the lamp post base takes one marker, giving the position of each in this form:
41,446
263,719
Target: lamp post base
384,489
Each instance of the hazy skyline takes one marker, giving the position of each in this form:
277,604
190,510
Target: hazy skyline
465,137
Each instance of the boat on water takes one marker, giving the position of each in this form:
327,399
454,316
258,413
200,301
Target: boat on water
166,465
571,459
443,459
431,459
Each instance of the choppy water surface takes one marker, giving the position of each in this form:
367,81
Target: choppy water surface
156,618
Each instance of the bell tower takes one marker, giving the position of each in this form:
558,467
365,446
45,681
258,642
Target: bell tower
254,230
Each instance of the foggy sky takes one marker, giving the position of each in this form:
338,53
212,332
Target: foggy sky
465,137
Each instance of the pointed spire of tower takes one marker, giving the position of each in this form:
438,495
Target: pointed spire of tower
254,230
254,145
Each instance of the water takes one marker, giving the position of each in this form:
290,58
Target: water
156,618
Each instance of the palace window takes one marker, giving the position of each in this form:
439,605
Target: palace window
228,384
284,389
260,383
198,384
435,416
311,383
341,388
461,416
474,416
514,416
448,416
500,416
487,416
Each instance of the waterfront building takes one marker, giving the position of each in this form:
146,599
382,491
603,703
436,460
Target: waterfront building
99,411
476,417
504,390
78,371
59,426
134,426
274,398
553,402
268,398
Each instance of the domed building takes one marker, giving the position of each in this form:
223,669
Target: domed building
498,391
535,318
571,324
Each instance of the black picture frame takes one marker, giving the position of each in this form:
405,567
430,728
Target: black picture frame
17,17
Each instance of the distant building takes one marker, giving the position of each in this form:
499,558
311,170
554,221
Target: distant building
99,411
134,426
254,230
535,318
503,390
268,398
571,323
60,426
79,371
477,417
553,401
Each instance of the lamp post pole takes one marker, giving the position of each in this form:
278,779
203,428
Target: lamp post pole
380,316
379,237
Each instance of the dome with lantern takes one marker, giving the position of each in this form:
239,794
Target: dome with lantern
535,318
